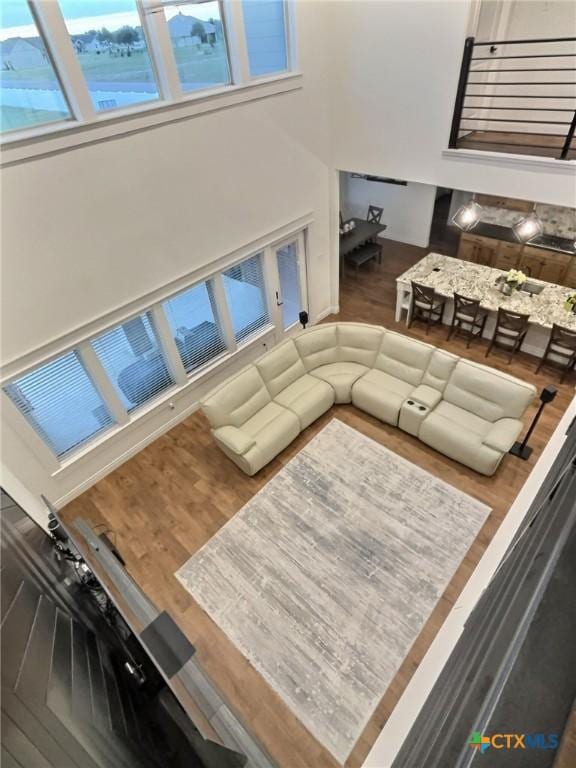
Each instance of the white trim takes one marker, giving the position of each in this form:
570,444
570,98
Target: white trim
236,37
530,162
333,310
398,725
168,345
47,140
102,382
19,365
223,312
161,51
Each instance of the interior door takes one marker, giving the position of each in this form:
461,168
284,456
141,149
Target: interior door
291,290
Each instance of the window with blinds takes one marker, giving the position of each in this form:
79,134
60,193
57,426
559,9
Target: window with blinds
62,404
246,297
133,360
193,320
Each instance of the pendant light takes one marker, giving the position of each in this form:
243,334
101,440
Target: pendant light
468,216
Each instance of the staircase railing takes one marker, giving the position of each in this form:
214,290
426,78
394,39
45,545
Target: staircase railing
517,96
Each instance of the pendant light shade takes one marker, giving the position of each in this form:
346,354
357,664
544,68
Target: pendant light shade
468,216
527,228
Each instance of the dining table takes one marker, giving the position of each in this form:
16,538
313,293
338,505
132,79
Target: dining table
362,233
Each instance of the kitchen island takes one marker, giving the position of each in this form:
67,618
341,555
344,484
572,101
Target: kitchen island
448,275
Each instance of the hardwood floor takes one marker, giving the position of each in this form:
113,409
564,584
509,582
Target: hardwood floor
168,500
543,145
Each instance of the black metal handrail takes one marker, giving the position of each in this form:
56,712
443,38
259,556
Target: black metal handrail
466,120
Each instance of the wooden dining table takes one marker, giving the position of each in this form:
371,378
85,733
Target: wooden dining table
362,233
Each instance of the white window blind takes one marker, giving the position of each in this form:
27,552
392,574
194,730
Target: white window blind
62,404
194,324
246,296
133,360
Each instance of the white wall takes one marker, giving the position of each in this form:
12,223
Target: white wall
407,210
394,84
91,230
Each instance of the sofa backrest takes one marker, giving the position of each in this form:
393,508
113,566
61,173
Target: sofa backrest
403,357
280,367
439,369
237,400
486,392
358,343
318,346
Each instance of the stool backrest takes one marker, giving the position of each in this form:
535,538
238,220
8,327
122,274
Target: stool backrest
515,322
374,214
466,306
423,293
563,337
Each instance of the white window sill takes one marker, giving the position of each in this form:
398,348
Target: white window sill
151,408
59,137
506,158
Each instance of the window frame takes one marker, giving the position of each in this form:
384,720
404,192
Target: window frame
182,381
84,119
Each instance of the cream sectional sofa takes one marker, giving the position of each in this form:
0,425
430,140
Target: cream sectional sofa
467,411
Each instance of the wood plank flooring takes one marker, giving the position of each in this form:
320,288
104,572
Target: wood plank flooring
168,500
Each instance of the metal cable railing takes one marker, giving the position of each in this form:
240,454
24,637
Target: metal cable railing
500,105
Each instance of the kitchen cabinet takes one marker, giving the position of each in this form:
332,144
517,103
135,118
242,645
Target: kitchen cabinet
477,249
570,276
507,203
507,256
550,266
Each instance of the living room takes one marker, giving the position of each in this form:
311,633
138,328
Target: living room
309,472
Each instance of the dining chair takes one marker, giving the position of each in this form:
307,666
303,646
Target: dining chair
426,305
341,219
509,333
374,215
561,344
468,320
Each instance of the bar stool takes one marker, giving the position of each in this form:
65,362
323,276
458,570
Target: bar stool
509,333
561,344
468,320
426,305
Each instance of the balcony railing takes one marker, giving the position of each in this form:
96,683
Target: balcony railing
517,96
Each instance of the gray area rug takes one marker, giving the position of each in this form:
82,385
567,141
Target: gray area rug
326,577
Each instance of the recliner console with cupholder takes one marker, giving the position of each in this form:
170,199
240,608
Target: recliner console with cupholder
469,412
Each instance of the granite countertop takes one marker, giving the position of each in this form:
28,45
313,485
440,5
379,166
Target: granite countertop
478,282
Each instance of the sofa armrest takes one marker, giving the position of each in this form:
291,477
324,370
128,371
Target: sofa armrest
426,395
502,434
234,439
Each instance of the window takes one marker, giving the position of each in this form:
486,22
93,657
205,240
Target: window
265,25
199,44
30,93
133,360
111,47
193,321
245,293
288,274
62,404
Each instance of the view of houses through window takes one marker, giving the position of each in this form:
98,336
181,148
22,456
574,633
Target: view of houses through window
119,59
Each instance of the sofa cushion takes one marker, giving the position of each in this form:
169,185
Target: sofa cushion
439,369
308,398
272,428
237,400
381,395
403,358
341,377
318,346
280,367
358,343
489,394
460,435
